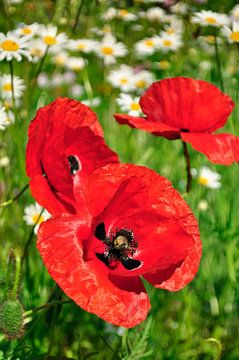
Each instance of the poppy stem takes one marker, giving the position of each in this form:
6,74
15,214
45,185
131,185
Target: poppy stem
219,67
10,201
188,167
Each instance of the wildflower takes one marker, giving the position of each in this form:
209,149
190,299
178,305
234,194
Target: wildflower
35,215
172,111
142,79
129,104
37,49
6,87
61,58
51,39
4,161
121,78
147,46
6,118
75,63
232,34
206,18
109,49
235,13
203,205
169,42
155,14
27,30
209,178
13,46
124,14
137,226
65,138
164,65
83,45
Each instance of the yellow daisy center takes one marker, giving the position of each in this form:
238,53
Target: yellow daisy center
37,219
81,46
107,50
164,65
210,39
149,42
211,20
49,40
26,31
36,52
124,81
7,87
203,181
170,31
9,45
135,106
167,42
141,84
235,36
123,12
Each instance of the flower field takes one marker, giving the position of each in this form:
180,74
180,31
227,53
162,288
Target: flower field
119,152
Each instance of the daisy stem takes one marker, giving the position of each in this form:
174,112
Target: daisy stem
12,86
188,167
87,84
218,61
24,254
47,306
77,16
10,201
41,63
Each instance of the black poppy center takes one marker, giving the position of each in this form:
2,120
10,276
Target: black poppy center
119,246
184,130
74,164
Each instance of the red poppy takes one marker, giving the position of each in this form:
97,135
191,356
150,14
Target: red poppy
65,138
189,109
137,225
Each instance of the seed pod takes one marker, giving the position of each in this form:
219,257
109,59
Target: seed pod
11,318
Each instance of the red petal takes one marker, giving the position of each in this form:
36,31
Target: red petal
186,103
86,281
138,199
155,128
219,148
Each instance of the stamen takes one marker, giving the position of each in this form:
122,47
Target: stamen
74,164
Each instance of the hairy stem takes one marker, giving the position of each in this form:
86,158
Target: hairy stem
10,201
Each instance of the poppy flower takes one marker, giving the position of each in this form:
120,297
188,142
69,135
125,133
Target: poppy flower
138,225
65,139
189,109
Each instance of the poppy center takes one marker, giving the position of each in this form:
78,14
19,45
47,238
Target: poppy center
119,246
74,164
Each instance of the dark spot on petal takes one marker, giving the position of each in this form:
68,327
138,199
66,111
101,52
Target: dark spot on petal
130,264
184,130
100,231
74,164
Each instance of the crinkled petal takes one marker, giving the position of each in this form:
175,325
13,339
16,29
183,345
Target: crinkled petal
61,243
186,103
219,148
153,127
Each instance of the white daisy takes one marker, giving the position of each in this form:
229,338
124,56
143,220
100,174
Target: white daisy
147,46
209,178
6,118
13,46
232,34
109,49
129,104
179,8
35,215
83,45
121,78
76,90
169,42
203,205
60,59
27,30
155,14
109,14
6,87
4,161
50,38
142,80
37,50
75,63
205,18
126,15
94,102
235,13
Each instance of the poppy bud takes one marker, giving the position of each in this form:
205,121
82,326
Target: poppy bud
13,275
11,318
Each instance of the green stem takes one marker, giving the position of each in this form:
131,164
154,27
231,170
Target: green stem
188,166
10,201
41,64
218,61
46,306
77,16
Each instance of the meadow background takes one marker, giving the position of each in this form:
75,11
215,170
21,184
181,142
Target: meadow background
202,320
